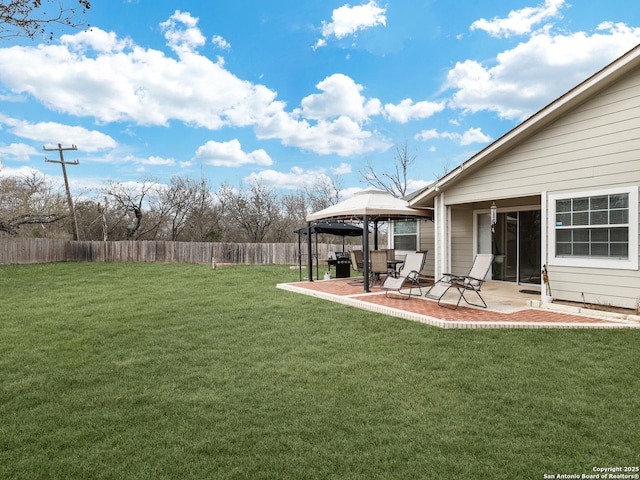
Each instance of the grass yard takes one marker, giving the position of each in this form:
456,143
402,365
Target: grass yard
154,371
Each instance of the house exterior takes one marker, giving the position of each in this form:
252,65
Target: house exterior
564,187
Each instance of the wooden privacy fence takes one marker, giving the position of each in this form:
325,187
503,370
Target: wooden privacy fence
28,250
36,250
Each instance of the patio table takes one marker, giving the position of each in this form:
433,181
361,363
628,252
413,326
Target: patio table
393,264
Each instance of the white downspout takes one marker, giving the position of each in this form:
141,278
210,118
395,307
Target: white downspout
440,240
544,234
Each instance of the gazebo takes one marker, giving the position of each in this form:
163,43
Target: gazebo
371,205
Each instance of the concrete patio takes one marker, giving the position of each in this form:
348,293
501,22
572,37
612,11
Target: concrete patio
508,307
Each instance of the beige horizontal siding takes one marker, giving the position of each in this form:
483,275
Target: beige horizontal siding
597,286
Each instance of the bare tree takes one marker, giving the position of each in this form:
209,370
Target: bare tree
396,181
88,218
130,202
29,200
204,217
97,220
445,168
324,193
293,210
253,211
183,210
180,201
32,18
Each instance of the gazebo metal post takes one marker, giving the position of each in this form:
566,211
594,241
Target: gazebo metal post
309,252
375,234
317,259
365,248
299,256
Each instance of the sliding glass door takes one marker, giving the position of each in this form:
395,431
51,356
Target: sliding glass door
516,244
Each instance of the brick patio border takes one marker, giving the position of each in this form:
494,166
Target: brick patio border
422,310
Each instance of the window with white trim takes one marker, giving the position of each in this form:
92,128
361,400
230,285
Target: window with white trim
595,228
405,235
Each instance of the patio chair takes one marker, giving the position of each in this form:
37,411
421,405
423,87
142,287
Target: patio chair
463,283
378,265
357,263
408,276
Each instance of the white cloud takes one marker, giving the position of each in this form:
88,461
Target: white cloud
120,157
182,33
330,122
340,97
230,154
342,136
152,161
320,43
52,133
95,74
18,151
296,179
347,193
23,171
519,22
348,20
94,39
427,135
431,134
415,185
407,110
473,135
220,42
537,71
342,169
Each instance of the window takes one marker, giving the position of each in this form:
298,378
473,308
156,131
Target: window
405,235
595,229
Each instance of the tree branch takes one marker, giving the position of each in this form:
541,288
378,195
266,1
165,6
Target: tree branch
13,225
29,18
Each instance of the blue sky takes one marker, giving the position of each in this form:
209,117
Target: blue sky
286,92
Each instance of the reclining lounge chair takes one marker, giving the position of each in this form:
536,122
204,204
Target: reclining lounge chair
408,277
463,283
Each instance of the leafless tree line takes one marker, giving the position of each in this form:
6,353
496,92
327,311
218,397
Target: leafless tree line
184,210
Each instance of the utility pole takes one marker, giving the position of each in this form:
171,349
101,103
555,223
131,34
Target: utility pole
72,211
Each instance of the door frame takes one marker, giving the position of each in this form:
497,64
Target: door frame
516,208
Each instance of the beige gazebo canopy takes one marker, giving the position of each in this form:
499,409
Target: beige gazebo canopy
369,205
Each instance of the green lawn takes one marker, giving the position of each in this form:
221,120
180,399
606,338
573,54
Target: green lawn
151,371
